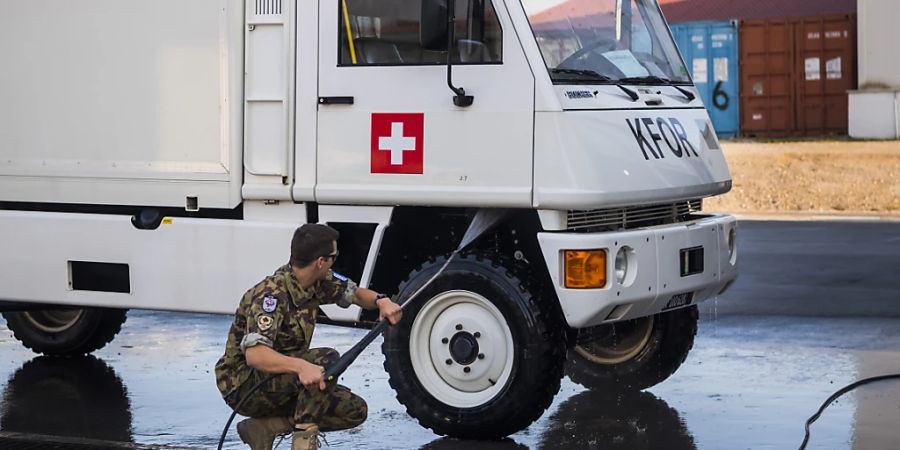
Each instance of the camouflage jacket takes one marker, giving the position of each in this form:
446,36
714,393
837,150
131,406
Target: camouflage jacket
279,314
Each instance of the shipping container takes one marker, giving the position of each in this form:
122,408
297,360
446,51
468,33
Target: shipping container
710,50
680,11
795,74
827,54
767,77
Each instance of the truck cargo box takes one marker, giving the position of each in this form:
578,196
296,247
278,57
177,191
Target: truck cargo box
121,102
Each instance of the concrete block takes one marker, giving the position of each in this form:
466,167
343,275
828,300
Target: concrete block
874,114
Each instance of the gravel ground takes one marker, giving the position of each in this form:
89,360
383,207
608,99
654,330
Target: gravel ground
838,177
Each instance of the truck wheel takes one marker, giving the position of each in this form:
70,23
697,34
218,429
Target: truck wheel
637,354
476,355
67,331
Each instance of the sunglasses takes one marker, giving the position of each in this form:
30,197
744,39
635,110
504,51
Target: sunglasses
332,256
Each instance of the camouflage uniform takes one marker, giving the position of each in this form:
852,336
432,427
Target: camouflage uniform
280,314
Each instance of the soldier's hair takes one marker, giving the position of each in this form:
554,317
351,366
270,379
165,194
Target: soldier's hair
311,241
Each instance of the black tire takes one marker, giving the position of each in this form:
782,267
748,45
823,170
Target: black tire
537,351
612,419
78,397
670,339
66,332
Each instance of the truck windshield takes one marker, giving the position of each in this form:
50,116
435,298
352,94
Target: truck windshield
605,42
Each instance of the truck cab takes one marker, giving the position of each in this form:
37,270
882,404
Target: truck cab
156,160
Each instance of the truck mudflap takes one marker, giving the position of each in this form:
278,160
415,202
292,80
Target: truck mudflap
666,267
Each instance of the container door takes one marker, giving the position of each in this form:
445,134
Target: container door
826,66
388,129
722,100
693,40
710,51
767,77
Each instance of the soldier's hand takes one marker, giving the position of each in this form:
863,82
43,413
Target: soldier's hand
310,375
387,308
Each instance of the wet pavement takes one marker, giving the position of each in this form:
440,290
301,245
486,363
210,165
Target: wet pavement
817,307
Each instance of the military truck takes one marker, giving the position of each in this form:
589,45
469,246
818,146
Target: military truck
159,154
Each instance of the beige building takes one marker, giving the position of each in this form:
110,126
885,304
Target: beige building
875,106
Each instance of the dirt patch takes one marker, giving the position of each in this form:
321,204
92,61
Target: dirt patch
822,177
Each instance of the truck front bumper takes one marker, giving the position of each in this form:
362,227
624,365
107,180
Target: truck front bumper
657,279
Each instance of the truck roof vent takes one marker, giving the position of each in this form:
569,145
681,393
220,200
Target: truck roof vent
268,7
594,220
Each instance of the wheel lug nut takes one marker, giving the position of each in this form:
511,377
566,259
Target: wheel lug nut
467,369
445,340
477,335
481,356
458,326
449,361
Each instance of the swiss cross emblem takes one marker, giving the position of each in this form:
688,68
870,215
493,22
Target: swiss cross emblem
397,142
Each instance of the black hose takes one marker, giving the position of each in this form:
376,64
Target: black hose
241,403
837,394
335,370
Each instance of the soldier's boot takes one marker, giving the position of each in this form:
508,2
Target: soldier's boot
307,439
260,433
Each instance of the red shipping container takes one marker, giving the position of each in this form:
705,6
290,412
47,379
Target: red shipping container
678,11
827,65
795,74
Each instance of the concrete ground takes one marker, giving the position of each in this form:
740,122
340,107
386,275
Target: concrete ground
817,306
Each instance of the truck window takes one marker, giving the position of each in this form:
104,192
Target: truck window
388,33
604,41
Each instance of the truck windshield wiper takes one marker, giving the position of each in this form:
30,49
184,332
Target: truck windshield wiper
652,79
587,73
591,75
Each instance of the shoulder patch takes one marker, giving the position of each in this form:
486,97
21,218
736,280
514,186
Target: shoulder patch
340,277
264,323
269,303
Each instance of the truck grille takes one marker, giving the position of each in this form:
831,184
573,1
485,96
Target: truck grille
631,216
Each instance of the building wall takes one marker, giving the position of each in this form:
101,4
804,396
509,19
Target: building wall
875,107
879,66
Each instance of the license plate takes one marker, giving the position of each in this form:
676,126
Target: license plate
679,300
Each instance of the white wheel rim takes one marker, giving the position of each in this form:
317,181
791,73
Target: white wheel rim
438,322
54,320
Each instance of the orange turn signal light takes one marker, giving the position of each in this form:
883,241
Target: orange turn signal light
585,269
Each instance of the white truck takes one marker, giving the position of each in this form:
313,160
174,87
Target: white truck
159,154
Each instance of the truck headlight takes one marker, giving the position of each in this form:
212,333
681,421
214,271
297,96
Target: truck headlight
585,269
731,240
625,266
621,265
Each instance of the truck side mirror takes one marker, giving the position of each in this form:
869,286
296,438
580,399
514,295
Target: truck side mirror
436,33
433,26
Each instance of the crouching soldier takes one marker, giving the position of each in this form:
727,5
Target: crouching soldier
271,332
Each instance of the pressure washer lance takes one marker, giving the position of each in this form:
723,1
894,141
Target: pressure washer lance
484,219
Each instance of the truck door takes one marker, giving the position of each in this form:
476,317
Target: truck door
388,129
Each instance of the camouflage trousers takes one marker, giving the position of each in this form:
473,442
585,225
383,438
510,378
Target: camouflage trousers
335,408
